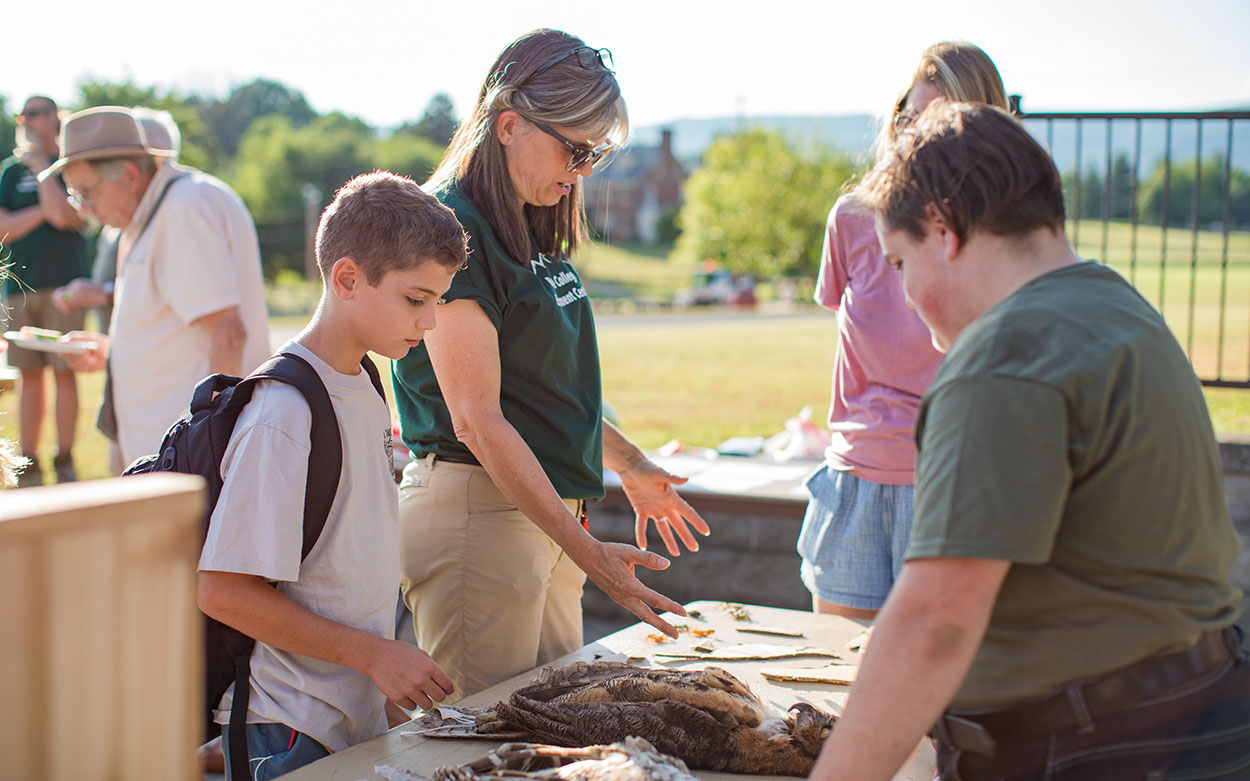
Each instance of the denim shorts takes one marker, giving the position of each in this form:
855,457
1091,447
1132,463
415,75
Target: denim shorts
853,538
272,750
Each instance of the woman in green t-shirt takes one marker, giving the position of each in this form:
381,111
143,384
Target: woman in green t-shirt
502,406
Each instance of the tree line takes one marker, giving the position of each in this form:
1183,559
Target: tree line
1165,194
756,204
269,144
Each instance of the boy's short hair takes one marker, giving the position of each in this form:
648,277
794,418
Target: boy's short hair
386,222
976,164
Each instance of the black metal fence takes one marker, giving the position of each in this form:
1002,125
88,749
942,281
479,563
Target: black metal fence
1164,197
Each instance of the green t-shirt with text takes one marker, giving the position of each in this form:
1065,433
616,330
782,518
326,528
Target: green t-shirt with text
550,389
1066,432
46,257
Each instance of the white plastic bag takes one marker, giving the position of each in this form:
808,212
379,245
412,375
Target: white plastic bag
800,439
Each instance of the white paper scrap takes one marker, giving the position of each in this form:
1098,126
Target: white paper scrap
392,773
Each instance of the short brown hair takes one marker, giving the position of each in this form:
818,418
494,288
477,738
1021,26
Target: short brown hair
386,222
976,164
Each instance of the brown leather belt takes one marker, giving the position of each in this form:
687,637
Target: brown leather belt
1081,702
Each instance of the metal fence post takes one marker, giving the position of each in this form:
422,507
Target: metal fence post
312,213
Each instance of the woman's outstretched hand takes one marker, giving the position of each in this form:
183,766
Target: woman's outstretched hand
650,491
611,566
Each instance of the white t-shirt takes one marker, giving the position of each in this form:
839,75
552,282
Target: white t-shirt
198,255
351,575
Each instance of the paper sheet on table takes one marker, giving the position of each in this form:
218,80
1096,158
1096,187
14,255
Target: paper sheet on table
840,674
748,652
769,630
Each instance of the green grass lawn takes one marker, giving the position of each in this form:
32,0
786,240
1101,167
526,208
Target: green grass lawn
702,380
635,271
697,381
1202,289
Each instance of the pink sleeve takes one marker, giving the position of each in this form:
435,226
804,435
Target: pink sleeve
832,279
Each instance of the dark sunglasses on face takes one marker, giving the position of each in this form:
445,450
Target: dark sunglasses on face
36,112
579,155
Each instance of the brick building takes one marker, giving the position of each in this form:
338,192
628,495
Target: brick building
627,199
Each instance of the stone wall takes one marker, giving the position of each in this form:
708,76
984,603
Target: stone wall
751,557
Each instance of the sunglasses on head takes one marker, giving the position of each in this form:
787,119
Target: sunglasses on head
578,155
588,58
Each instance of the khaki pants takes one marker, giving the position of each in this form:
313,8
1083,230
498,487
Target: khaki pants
490,593
35,308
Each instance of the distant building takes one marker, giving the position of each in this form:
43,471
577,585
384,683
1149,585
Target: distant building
627,199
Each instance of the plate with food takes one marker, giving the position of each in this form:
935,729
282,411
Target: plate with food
46,340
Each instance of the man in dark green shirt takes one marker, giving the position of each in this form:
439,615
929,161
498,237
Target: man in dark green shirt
1065,610
41,235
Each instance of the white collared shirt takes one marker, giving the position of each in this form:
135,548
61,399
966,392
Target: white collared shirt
198,255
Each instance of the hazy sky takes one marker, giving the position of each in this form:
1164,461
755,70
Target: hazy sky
382,60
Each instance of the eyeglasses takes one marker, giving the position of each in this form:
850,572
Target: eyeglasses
579,155
82,200
588,58
36,112
903,118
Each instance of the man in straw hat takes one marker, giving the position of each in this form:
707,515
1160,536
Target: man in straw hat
161,132
189,297
43,243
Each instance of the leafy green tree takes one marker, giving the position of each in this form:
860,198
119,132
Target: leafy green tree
1180,194
1119,204
758,204
96,92
276,160
229,120
8,128
199,146
437,123
414,156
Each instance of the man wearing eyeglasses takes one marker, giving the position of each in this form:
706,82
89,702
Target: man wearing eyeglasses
189,297
42,237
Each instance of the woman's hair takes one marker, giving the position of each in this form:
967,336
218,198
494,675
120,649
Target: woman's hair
532,78
961,72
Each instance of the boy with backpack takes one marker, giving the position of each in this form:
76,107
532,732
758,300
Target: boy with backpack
325,661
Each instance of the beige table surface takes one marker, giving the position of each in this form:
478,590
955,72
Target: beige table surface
401,748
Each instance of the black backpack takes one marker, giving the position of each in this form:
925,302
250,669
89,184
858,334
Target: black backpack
196,444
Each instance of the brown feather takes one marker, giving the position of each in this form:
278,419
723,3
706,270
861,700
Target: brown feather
630,760
708,718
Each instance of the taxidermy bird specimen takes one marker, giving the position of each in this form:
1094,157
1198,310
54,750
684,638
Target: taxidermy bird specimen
708,718
633,759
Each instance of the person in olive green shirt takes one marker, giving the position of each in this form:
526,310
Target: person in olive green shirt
41,238
1065,608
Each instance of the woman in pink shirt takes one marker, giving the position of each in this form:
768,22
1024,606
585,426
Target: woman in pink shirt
859,518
